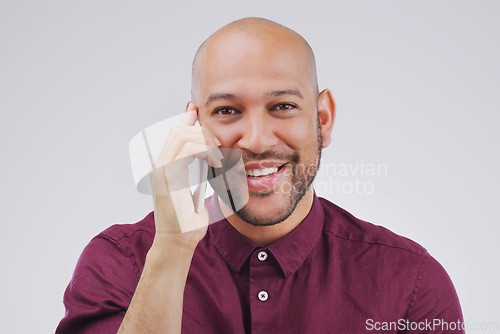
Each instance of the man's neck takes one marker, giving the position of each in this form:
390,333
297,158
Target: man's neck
267,235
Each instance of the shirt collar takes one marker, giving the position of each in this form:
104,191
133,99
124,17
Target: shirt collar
290,251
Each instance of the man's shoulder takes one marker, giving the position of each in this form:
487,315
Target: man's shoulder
343,225
142,231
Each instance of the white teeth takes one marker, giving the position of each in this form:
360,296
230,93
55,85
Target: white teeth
261,172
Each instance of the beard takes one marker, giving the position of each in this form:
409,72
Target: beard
302,173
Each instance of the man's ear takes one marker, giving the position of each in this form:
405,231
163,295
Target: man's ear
326,113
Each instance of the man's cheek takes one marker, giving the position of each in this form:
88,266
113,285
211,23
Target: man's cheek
297,132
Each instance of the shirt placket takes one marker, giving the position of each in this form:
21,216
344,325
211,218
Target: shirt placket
263,293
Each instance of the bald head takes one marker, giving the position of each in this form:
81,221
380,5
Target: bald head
253,32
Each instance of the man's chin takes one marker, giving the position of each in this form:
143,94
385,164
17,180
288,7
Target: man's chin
267,197
265,209
261,194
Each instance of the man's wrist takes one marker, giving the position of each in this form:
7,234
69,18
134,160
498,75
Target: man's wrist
169,251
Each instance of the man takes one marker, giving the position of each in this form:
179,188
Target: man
288,262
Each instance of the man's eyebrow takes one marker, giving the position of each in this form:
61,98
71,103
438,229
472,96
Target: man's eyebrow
220,96
282,92
274,93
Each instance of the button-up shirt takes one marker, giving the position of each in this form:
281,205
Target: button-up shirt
333,273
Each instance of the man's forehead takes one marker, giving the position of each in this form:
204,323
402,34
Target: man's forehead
255,49
246,62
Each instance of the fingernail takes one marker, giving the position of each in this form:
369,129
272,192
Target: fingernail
218,153
217,141
190,106
216,163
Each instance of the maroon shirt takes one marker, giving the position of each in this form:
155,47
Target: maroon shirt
334,273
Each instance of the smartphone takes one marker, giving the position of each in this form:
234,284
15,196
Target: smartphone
201,189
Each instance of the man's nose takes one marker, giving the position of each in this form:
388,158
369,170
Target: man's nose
258,133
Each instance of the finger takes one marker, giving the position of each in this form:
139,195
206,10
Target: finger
176,172
204,136
210,136
180,136
213,144
199,194
211,139
201,151
193,133
190,115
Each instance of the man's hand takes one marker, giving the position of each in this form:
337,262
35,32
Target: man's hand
173,205
156,306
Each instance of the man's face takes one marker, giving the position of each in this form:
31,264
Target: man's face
258,97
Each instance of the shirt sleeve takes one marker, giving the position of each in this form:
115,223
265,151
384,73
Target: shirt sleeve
434,306
100,290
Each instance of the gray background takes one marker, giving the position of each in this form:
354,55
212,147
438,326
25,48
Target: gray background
416,83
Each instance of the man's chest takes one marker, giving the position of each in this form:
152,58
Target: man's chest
319,297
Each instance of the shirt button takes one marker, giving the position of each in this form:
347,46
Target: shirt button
263,296
262,256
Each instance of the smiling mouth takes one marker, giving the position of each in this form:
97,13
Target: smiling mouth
262,173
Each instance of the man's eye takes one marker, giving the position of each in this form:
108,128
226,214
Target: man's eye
284,106
224,111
